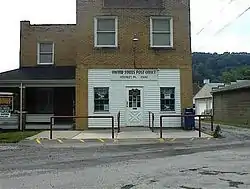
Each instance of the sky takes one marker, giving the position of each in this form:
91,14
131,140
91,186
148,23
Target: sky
208,17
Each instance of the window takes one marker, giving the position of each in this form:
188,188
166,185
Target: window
134,98
167,98
161,32
45,53
106,32
101,99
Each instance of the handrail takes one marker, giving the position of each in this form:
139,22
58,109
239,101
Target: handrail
118,122
199,116
112,119
151,124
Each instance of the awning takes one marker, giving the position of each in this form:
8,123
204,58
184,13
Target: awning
39,76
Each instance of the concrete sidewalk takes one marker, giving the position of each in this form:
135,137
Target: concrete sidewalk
124,134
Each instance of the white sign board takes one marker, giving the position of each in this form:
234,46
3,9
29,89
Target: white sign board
134,74
4,111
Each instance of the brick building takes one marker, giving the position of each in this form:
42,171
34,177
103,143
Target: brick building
127,56
232,103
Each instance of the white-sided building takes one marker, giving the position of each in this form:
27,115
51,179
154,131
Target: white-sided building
134,93
203,100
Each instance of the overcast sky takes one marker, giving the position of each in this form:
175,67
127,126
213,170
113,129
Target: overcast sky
211,15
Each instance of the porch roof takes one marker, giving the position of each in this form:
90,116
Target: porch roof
40,74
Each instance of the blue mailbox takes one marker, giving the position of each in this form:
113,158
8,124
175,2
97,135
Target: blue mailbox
189,122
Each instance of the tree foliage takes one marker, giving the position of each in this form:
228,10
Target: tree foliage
226,67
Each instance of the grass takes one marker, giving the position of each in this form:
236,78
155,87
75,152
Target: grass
15,136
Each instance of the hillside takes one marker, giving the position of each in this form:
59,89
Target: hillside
224,67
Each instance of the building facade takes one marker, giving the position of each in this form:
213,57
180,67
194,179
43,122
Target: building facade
203,100
232,104
127,56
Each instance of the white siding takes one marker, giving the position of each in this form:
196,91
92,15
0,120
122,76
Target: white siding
32,119
202,104
9,123
117,96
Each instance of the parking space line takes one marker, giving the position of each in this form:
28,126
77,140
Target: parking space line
38,141
173,139
59,140
192,139
82,140
101,140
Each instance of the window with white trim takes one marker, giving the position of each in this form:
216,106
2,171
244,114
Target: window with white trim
45,53
106,31
167,98
101,99
161,32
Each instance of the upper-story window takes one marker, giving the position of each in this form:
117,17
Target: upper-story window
45,53
106,31
161,32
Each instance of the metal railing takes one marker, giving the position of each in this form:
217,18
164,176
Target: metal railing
151,121
183,116
75,117
118,122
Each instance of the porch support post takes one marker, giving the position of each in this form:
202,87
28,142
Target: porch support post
21,118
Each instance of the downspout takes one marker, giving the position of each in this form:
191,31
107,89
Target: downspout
212,104
21,106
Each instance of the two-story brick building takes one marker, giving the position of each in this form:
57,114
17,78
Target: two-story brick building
127,56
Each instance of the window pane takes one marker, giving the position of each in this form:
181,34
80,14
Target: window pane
130,98
134,104
172,107
138,98
105,38
161,39
105,24
46,58
130,104
138,104
46,47
101,93
161,24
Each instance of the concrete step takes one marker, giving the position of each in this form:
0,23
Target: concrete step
133,128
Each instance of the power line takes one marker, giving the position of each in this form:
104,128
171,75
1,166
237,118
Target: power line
210,21
229,23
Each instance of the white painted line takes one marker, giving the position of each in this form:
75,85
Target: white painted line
173,139
82,140
192,139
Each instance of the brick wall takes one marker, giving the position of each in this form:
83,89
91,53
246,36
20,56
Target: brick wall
232,107
133,21
61,34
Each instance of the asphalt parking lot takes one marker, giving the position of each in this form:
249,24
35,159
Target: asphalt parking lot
121,164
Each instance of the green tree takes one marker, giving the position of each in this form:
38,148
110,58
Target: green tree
226,67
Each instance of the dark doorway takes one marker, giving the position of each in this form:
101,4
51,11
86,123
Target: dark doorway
64,99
